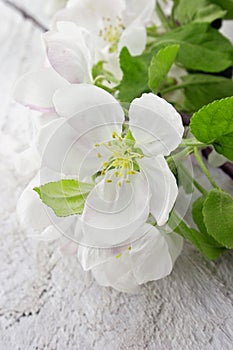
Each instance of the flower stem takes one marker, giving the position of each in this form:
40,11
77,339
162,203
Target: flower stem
204,168
173,88
180,156
163,18
192,142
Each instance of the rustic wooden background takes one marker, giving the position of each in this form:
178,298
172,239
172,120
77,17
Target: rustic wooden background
48,305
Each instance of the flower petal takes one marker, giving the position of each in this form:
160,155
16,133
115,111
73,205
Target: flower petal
150,257
70,52
83,97
116,273
155,124
162,185
112,214
72,152
134,38
32,213
139,10
36,89
91,257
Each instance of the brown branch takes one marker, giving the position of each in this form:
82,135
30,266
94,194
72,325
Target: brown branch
26,15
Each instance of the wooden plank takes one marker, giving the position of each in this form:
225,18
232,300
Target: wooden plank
51,306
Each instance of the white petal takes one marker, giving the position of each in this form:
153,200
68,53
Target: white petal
69,52
72,152
32,213
36,89
116,273
155,124
28,161
68,249
134,38
150,257
112,214
83,97
139,10
104,8
175,244
51,233
162,185
91,257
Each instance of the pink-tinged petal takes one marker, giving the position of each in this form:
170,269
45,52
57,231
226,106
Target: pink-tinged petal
69,249
36,89
70,52
113,213
155,124
162,185
150,256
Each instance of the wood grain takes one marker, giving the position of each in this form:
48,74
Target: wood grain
55,305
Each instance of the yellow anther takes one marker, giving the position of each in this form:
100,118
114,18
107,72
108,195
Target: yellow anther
105,164
129,248
119,184
116,174
99,155
127,181
109,181
131,172
97,145
102,172
119,255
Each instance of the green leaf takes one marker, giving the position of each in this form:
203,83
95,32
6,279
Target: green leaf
213,124
200,241
65,197
202,89
198,215
135,75
160,66
202,48
100,73
186,11
226,5
218,217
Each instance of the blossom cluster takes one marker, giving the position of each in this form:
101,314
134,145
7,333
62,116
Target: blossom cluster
103,185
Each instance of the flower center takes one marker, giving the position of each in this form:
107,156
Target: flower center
123,160
112,32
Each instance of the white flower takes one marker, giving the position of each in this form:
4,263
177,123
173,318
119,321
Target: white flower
70,51
36,89
132,177
113,25
147,259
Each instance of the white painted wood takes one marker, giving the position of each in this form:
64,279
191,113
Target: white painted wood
56,306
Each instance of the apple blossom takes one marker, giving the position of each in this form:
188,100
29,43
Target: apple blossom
132,178
147,259
113,25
